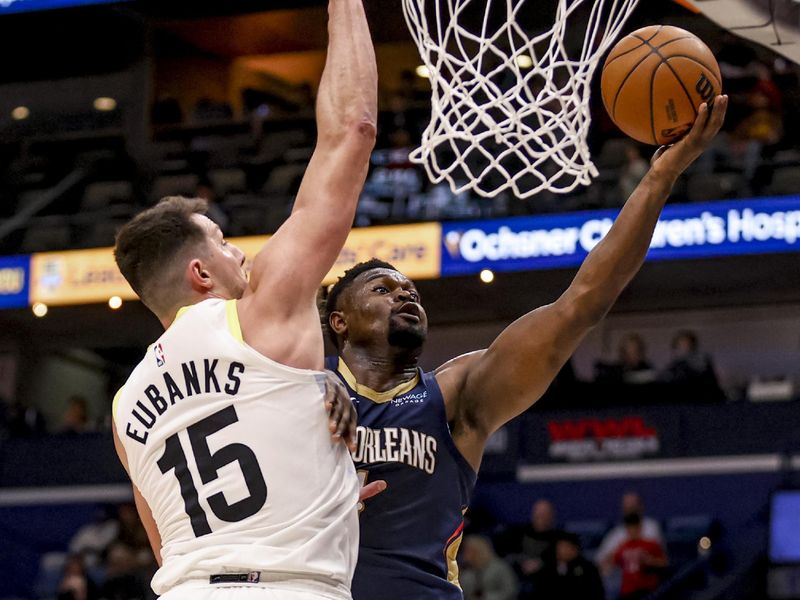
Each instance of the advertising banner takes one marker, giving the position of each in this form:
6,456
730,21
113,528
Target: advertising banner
14,281
413,249
685,231
77,277
87,276
17,6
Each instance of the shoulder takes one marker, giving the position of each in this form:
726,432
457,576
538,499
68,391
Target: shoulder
451,375
651,527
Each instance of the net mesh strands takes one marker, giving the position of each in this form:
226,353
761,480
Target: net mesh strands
510,107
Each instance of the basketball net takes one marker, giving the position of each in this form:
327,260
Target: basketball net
510,110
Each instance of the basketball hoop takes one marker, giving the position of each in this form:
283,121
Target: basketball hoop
510,108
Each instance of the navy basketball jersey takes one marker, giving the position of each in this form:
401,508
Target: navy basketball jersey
410,533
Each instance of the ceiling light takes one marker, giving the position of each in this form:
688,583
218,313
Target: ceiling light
105,104
20,113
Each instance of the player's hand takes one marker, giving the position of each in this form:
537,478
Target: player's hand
371,489
675,158
342,413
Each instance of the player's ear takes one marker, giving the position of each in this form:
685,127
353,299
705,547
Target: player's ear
199,277
337,323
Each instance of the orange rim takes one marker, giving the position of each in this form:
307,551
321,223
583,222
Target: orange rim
688,5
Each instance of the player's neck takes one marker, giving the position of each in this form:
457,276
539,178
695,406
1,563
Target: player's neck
379,371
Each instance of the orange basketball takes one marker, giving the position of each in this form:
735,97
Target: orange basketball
655,79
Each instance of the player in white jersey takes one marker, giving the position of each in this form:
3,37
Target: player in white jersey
222,426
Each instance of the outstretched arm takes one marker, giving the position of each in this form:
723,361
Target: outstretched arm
491,387
288,271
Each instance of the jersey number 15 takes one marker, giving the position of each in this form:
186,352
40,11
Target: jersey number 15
208,466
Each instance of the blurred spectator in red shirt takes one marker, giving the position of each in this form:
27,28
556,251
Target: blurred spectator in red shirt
632,504
642,561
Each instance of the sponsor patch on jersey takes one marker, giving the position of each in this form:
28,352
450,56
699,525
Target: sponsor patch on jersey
414,398
161,360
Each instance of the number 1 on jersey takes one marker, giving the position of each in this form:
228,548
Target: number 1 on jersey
208,466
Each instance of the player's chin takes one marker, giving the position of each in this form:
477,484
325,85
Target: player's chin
403,334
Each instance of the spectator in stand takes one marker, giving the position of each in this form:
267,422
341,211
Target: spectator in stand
642,561
76,416
125,579
93,539
537,543
531,547
17,420
572,575
632,366
132,533
632,504
205,190
75,582
764,121
485,575
691,371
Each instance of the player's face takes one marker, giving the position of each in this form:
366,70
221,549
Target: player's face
225,262
386,306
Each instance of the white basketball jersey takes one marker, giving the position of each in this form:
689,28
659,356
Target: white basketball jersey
233,455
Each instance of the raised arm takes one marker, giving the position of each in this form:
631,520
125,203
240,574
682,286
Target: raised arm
491,387
290,268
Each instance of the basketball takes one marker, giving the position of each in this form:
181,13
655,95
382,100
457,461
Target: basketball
655,79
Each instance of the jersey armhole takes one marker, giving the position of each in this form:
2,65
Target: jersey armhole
114,404
232,317
430,381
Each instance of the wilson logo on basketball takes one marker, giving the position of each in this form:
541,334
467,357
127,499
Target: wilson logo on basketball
602,439
705,88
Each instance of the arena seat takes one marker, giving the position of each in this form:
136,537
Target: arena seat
703,187
227,181
785,180
99,195
173,185
47,233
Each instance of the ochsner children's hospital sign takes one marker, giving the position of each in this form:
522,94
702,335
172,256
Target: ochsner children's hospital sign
684,231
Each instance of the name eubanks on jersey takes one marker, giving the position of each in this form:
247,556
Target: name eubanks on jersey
233,455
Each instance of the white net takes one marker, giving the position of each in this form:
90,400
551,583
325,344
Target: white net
510,108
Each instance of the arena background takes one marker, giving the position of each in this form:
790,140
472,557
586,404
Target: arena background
107,107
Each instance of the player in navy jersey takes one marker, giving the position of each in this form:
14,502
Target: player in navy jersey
424,433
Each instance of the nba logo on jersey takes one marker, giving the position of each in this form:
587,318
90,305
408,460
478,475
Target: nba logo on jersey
159,352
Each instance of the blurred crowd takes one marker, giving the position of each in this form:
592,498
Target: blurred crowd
109,559
249,165
689,374
603,559
625,557
688,377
